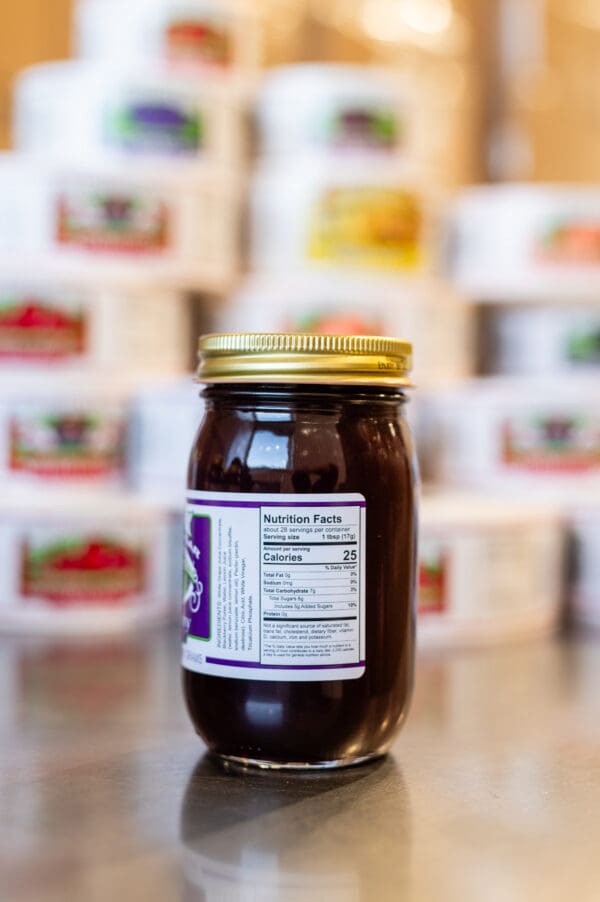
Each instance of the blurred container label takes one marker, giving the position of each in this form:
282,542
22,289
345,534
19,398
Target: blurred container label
37,329
74,569
433,577
190,39
333,322
155,126
372,227
112,222
563,443
583,346
366,128
569,242
67,444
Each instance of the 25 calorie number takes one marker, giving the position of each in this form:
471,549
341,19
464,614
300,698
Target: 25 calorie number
350,555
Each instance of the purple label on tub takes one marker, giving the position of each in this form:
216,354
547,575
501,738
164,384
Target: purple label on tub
196,578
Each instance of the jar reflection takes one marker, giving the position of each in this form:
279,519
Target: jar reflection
337,837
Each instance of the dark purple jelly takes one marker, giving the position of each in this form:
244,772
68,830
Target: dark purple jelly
335,439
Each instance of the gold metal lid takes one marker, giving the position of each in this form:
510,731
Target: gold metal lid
304,358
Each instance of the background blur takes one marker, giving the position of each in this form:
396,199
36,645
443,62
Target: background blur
178,166
526,66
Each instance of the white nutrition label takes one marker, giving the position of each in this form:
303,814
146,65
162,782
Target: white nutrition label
275,586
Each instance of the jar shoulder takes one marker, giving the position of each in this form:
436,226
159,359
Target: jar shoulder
304,450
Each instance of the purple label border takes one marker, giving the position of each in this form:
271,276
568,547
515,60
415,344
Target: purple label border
258,504
256,665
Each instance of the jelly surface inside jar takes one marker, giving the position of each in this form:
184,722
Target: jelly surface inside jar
309,440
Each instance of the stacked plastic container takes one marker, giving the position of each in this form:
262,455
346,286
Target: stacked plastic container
345,231
121,200
529,428
343,226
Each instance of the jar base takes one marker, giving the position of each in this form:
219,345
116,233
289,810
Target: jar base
266,764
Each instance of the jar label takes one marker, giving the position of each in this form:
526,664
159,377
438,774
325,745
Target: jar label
274,586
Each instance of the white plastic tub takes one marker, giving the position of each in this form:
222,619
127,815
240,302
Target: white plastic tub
316,213
544,340
425,312
517,435
420,113
89,112
196,35
489,570
87,564
82,325
63,429
165,417
124,222
519,242
340,110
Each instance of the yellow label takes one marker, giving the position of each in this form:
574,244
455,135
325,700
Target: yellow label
374,227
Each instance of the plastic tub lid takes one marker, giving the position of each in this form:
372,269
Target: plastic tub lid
62,504
479,510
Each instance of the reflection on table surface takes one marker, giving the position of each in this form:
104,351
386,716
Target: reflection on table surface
276,836
492,792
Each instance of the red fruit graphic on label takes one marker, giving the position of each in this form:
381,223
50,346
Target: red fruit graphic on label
433,579
571,242
194,40
80,571
334,323
37,329
95,557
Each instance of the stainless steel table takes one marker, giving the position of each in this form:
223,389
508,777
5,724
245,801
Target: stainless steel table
492,791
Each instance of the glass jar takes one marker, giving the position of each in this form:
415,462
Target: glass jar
298,621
